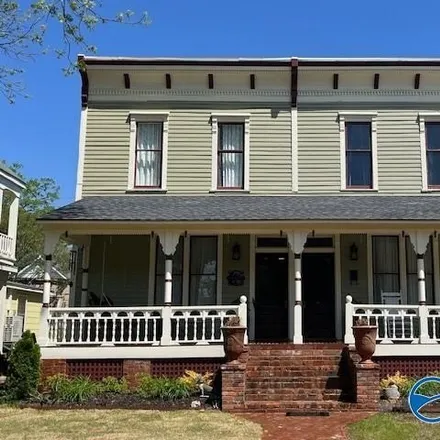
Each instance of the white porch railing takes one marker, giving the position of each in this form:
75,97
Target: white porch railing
6,246
168,325
396,324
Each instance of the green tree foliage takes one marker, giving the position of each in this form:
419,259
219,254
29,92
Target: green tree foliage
23,368
24,26
37,199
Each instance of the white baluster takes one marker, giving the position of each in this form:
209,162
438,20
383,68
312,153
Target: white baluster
423,316
130,324
114,328
349,309
242,313
166,326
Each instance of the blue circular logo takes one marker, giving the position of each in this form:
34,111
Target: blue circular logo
418,401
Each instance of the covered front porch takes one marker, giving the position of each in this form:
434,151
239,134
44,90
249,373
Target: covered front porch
160,274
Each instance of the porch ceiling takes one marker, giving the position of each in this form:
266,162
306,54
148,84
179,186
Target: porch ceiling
228,208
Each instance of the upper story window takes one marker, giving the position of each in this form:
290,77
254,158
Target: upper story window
148,169
358,139
432,133
358,155
230,172
148,151
230,152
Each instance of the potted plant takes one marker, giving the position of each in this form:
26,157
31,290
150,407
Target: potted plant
233,340
365,339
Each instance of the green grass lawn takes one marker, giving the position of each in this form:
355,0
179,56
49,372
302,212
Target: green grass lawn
29,424
393,427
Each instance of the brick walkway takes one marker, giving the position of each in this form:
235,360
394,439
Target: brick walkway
280,427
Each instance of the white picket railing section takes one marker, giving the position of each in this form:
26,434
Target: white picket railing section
413,324
6,246
167,325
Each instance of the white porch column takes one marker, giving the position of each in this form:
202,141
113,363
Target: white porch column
50,241
85,273
13,223
296,242
420,240
3,307
169,241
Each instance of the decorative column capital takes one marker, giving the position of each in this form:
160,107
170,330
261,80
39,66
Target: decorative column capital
50,240
419,240
169,241
297,240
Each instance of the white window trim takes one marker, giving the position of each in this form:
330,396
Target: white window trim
354,116
423,118
217,118
147,116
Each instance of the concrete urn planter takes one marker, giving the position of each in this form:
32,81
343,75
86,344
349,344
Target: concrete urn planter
392,393
233,340
365,341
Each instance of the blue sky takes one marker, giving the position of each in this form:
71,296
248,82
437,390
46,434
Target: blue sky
42,132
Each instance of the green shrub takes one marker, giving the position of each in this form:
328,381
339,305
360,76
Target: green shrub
71,390
163,388
114,385
23,374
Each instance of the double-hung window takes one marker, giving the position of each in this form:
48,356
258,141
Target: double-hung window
432,133
148,171
358,142
230,152
148,151
386,269
359,170
203,271
231,156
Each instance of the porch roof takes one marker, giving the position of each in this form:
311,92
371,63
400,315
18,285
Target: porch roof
218,207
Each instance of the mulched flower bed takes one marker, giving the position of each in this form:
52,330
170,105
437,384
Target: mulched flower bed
119,401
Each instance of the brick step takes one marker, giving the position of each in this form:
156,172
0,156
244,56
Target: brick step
287,372
329,405
330,383
293,353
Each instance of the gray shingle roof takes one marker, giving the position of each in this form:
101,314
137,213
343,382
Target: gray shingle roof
249,208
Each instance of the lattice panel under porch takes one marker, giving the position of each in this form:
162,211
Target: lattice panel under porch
176,368
95,369
409,366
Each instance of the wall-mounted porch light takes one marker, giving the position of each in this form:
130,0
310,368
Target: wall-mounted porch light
236,252
354,252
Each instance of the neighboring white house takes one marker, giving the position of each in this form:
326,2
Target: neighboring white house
11,187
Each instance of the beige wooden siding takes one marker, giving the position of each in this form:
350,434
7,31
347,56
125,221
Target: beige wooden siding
231,294
106,152
271,152
359,290
106,162
398,152
318,152
121,271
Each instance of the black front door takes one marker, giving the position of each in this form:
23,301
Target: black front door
318,295
271,297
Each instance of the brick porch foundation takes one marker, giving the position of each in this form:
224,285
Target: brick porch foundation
52,367
233,386
133,368
367,386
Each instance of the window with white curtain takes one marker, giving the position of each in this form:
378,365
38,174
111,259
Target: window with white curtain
386,276
412,275
203,271
148,172
231,156
177,274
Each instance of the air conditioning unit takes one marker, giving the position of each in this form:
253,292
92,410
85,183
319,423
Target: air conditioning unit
13,328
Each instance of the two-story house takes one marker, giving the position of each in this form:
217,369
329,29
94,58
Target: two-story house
11,187
297,193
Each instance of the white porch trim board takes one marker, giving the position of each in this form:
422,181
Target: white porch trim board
171,352
81,153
